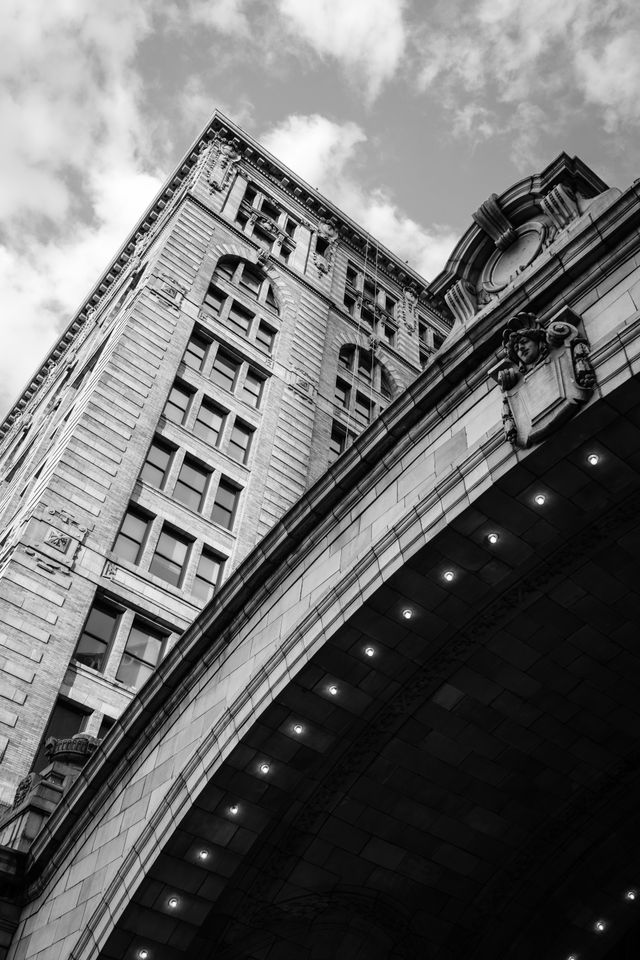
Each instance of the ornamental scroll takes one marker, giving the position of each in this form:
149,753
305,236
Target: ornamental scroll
545,375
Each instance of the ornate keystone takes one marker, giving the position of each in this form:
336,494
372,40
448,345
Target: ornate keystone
545,375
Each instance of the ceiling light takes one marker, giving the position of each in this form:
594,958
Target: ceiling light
600,926
143,953
631,894
297,728
173,902
333,690
407,613
540,499
448,575
203,854
264,768
493,537
593,458
233,809
369,651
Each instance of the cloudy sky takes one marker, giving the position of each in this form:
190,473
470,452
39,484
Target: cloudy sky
407,113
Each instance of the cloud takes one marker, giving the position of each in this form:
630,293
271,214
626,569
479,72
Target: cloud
514,52
327,154
75,172
366,37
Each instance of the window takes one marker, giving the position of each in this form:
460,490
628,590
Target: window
340,439
429,340
98,633
177,405
239,318
376,307
105,726
191,485
225,370
240,441
157,464
133,533
363,407
209,422
143,652
66,720
171,556
252,388
342,393
208,575
214,299
196,352
263,218
265,337
225,504
251,279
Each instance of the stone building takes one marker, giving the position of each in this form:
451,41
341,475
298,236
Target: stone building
240,340
406,722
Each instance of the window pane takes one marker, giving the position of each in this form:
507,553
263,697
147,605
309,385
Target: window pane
225,370
225,504
252,389
209,422
208,575
270,298
240,318
196,352
157,463
342,393
130,540
269,209
239,442
265,337
97,636
170,557
214,299
177,404
191,485
226,267
251,279
133,672
145,643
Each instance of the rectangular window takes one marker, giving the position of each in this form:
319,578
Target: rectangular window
250,194
265,337
252,388
269,209
214,299
438,340
226,267
240,441
177,405
225,370
99,631
209,422
369,289
196,352
171,556
388,303
239,318
208,575
191,485
157,464
225,504
143,652
339,441
66,719
363,407
368,317
133,533
350,303
251,279
388,334
290,227
352,275
285,252
342,393
262,237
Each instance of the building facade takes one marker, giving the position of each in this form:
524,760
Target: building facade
405,724
240,341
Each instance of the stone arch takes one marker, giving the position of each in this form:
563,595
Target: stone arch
284,299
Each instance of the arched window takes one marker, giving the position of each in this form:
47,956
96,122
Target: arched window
248,278
242,298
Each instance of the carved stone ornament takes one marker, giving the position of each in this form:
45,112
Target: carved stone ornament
560,206
545,375
407,308
490,218
325,246
225,158
507,263
58,540
462,301
167,289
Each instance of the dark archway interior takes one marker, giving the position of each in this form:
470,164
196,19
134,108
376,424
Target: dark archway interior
472,787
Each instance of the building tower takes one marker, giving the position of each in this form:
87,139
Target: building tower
245,333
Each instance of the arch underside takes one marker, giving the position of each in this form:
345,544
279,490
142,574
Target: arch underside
472,789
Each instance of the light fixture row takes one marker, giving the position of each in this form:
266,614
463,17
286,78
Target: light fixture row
601,925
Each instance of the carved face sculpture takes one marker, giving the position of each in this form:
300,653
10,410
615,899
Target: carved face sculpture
527,350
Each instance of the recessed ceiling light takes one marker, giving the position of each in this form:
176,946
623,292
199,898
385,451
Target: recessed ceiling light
173,902
369,651
631,895
448,575
297,728
143,953
233,809
593,459
493,537
203,854
540,499
333,690
600,926
264,768
407,613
